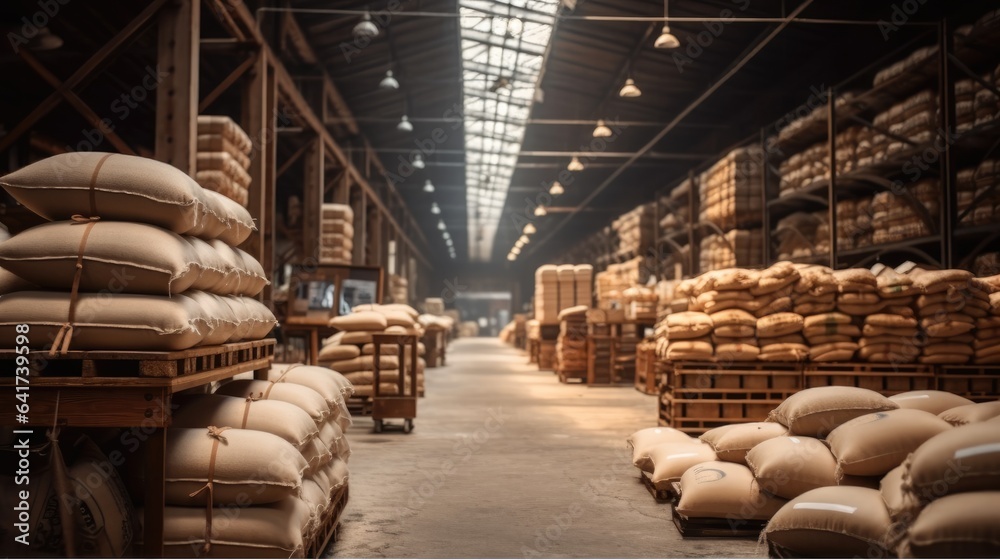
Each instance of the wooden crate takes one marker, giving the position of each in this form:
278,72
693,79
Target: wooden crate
714,378
547,354
697,415
645,370
978,383
567,375
888,379
329,529
600,353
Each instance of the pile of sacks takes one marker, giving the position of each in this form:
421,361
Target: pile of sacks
105,288
336,240
571,344
224,158
635,229
264,459
894,219
352,353
791,312
737,247
978,184
813,471
803,234
731,189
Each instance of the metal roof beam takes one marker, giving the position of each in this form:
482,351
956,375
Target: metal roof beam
505,43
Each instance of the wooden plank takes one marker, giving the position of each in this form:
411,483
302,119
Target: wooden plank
155,499
177,96
257,123
226,83
312,197
95,406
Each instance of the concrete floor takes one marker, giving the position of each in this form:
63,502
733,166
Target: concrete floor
506,462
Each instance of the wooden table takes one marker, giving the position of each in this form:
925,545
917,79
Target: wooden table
102,389
314,328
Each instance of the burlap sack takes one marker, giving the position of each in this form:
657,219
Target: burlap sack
364,363
367,377
737,352
963,459
830,339
846,522
303,397
282,419
783,353
733,317
671,459
337,212
806,309
890,321
933,281
833,352
777,276
688,347
861,276
827,297
734,279
900,310
331,385
960,526
106,321
332,435
874,444
971,413
732,442
777,305
872,331
360,321
951,348
896,499
779,324
367,391
689,324
718,489
273,531
832,329
934,402
358,338
222,322
817,411
788,466
338,352
734,331
250,466
948,327
825,320
642,441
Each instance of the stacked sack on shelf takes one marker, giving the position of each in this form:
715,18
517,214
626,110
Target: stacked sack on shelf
979,185
731,189
336,241
567,287
635,229
256,468
950,303
986,104
108,290
895,219
571,344
678,211
223,158
891,333
804,169
987,343
737,247
399,289
803,234
352,352
547,294
915,119
842,471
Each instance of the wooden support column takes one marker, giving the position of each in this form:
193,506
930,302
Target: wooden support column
177,95
259,121
360,207
312,196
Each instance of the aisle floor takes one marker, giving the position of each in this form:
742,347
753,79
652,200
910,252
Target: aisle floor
506,462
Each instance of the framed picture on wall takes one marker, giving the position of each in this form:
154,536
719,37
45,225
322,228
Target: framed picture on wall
319,293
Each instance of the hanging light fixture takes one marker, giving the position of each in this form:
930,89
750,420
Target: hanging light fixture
629,89
44,40
515,251
519,244
428,186
441,225
511,256
435,209
524,239
529,229
365,28
418,161
601,130
556,189
540,210
666,40
575,164
389,81
404,125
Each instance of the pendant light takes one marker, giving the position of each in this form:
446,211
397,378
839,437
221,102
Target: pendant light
435,209
556,189
405,125
666,40
511,256
524,239
441,225
540,210
389,81
365,28
529,229
601,130
575,164
629,89
418,161
428,186
515,251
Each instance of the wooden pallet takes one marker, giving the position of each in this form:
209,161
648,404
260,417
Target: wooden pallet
645,371
330,526
359,406
976,382
709,377
659,495
888,379
711,527
104,363
698,415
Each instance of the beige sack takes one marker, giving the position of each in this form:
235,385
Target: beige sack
360,321
282,419
971,413
874,444
935,402
671,459
643,440
963,459
817,411
732,442
717,489
338,352
959,526
787,466
779,324
303,397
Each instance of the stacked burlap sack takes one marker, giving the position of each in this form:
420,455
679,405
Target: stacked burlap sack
987,343
731,189
678,211
737,247
802,234
893,217
727,296
223,158
891,334
107,289
803,169
947,309
336,239
583,279
547,294
252,470
566,287
635,229
571,344
352,352
979,185
814,470
986,104
399,289
689,336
